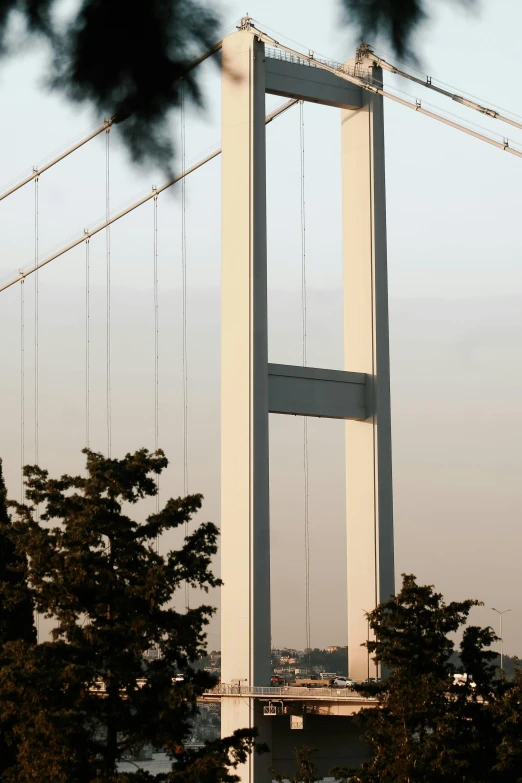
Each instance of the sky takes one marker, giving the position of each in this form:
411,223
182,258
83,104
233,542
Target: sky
455,281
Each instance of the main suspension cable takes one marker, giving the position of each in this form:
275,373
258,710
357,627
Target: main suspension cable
100,227
107,123
427,82
350,75
184,315
37,171
304,356
108,283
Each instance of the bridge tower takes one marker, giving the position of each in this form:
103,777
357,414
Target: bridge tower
252,388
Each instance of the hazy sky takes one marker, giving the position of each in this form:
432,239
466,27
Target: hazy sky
455,312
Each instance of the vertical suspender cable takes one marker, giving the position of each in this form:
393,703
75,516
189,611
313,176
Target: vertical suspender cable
87,345
184,314
305,420
22,390
36,331
36,359
156,351
108,273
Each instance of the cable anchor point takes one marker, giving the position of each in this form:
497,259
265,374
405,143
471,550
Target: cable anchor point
246,22
364,50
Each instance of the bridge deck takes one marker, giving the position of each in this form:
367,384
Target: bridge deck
328,701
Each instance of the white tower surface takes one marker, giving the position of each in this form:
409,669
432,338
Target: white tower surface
245,541
251,387
369,510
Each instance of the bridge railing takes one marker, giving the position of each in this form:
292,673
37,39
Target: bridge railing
281,54
287,691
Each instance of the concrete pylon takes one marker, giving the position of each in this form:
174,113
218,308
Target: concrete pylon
369,502
245,529
251,387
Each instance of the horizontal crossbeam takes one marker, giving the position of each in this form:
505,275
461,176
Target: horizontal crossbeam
309,391
295,80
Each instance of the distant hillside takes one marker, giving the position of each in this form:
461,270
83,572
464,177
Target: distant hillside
509,663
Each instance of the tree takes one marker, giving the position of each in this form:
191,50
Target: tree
306,769
394,21
16,611
213,763
132,60
129,60
508,718
16,606
426,728
335,661
83,699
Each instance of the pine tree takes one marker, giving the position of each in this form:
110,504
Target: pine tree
16,611
507,715
99,575
426,728
16,606
92,61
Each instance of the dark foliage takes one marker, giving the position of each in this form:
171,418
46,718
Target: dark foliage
393,21
306,771
336,661
426,727
508,716
16,611
16,606
127,59
216,761
130,59
79,702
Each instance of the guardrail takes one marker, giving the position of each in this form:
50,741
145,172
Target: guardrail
288,691
280,54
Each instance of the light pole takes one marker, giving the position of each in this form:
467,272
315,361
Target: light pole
500,613
367,640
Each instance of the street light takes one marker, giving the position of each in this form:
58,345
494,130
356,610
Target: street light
367,640
500,613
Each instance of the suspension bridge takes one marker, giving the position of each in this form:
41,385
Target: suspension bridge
256,64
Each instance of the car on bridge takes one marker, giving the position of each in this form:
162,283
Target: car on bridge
342,682
464,679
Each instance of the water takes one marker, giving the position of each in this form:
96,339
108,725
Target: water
160,763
